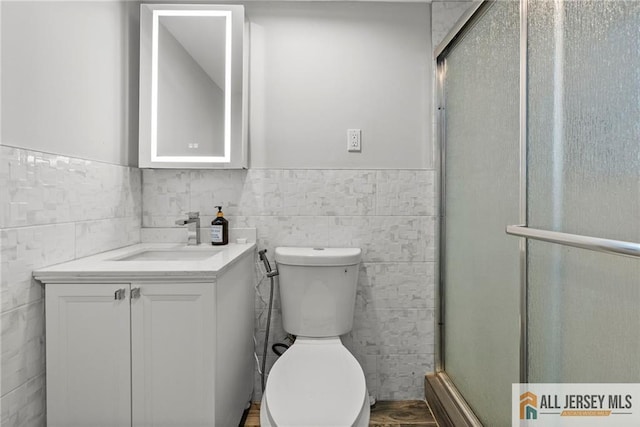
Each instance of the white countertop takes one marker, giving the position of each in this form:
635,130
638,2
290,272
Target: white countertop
105,267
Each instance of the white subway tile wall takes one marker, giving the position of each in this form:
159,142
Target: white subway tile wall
390,214
54,209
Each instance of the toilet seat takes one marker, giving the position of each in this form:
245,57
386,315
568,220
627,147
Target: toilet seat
316,382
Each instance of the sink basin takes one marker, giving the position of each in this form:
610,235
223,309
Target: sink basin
169,255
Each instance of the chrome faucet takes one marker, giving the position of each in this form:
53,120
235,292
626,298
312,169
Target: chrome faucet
193,223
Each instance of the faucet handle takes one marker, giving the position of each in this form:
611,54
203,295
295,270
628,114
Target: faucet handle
193,215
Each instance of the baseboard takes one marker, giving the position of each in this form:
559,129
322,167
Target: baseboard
446,403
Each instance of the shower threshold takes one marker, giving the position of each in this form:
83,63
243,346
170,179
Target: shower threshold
447,404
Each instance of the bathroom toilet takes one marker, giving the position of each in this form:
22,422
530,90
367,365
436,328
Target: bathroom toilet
317,381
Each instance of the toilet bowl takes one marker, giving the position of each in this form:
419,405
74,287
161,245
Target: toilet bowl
316,382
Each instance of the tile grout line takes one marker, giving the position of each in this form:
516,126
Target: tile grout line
28,380
22,306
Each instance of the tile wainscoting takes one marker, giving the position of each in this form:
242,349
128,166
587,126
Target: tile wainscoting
57,208
390,214
54,209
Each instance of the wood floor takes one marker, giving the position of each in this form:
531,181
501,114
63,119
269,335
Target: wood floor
385,413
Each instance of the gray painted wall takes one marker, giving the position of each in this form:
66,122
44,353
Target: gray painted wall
318,69
70,79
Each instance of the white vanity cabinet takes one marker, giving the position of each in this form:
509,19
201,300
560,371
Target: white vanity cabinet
155,352
150,354
88,356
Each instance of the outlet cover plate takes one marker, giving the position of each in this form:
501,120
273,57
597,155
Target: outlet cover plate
354,140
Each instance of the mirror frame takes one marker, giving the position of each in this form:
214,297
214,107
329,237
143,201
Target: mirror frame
235,134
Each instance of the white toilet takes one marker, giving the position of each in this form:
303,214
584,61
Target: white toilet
317,381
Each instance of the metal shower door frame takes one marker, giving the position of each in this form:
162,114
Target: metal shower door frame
521,230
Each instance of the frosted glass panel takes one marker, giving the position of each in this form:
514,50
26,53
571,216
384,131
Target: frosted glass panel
584,118
480,261
584,178
583,315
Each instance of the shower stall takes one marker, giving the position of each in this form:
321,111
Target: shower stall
539,128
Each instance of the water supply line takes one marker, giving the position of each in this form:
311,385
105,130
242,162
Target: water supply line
270,274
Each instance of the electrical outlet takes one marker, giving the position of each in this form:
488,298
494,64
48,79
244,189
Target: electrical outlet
354,140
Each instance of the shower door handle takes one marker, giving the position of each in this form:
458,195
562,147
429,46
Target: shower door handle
610,246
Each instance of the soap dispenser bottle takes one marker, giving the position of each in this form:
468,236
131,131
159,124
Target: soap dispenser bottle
219,229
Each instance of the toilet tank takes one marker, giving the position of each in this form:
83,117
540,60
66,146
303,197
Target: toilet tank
318,289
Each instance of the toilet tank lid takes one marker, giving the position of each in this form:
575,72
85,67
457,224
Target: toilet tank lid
328,257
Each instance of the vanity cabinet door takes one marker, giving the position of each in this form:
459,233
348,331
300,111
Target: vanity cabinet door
88,355
173,343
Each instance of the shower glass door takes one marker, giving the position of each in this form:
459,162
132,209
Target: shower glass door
582,307
479,262
584,178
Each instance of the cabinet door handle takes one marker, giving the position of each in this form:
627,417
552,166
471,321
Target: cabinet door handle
135,293
119,294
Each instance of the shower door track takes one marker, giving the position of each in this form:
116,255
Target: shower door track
447,404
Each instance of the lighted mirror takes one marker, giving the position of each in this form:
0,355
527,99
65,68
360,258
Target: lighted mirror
192,79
